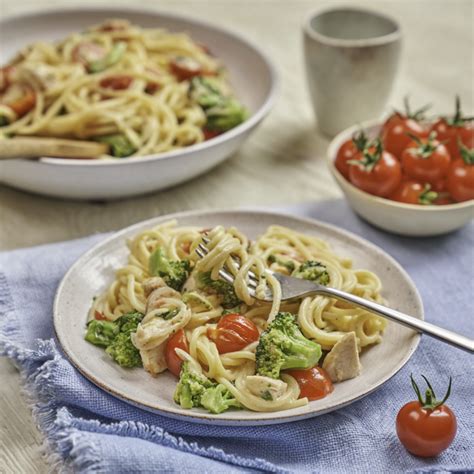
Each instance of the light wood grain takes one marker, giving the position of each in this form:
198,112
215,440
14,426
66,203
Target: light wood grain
283,162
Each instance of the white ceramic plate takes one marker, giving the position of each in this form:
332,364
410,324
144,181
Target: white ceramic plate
94,271
252,76
397,217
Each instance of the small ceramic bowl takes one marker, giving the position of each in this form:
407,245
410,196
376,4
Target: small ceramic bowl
393,216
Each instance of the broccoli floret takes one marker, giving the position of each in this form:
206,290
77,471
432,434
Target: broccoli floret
123,351
101,333
196,390
170,314
120,145
288,264
128,322
227,114
205,92
173,272
314,271
218,399
221,287
282,346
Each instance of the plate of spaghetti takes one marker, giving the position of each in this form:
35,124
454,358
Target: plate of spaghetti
151,86
145,318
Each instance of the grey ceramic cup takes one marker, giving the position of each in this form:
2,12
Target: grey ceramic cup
351,57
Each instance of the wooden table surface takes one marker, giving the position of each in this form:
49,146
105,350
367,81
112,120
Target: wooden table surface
283,162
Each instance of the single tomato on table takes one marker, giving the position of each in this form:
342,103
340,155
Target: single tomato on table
233,332
375,171
173,361
455,130
398,127
348,150
314,383
426,427
426,160
460,180
414,192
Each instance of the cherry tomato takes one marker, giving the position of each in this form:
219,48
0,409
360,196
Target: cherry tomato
173,361
426,427
456,129
99,316
116,82
443,198
348,151
460,181
378,172
233,333
87,52
426,159
396,129
314,383
414,192
208,134
185,68
21,98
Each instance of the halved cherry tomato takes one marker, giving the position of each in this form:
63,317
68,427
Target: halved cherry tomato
173,361
87,52
116,82
208,134
348,151
414,192
426,427
375,171
456,129
184,67
233,333
426,159
314,383
99,316
396,130
21,98
460,180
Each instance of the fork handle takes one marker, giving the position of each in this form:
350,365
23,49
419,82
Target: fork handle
419,325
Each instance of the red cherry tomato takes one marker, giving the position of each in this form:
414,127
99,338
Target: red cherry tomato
378,172
348,151
87,52
185,68
99,316
21,98
314,383
454,130
414,192
116,82
233,333
443,198
460,180
426,160
426,427
208,134
173,361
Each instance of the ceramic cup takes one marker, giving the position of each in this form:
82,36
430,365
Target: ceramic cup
351,57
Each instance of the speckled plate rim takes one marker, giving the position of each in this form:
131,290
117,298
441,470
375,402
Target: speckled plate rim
206,418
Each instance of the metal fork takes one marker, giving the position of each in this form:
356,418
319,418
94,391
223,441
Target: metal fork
297,288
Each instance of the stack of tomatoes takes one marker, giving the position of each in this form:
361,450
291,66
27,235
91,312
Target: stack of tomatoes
414,161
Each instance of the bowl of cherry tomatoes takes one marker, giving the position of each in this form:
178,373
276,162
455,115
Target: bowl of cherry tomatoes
408,175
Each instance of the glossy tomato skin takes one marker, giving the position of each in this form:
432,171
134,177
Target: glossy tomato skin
233,333
452,134
432,169
346,152
314,383
118,82
381,180
460,180
184,68
408,192
173,361
395,132
425,432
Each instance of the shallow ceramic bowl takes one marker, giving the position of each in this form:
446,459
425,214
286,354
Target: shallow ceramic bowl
251,73
397,217
95,270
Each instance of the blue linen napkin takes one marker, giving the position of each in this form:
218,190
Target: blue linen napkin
90,431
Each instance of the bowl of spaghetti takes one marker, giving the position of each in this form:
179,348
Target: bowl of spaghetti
170,96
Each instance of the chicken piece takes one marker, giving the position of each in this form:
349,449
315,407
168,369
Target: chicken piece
152,284
154,359
265,387
40,76
156,292
342,363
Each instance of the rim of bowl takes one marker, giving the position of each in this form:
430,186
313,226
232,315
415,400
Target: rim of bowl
342,181
251,122
351,43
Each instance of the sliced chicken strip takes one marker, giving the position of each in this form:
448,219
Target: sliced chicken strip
342,363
